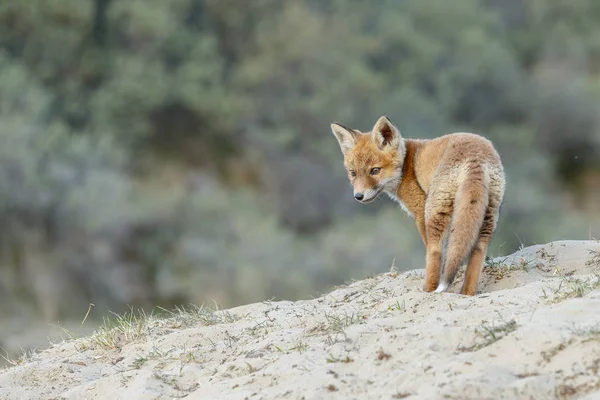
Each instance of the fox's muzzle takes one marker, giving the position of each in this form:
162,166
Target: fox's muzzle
367,195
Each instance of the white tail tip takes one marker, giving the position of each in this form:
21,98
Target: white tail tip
442,287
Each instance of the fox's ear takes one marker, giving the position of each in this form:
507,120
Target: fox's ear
346,137
385,134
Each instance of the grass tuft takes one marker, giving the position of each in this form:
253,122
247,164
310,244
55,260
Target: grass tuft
488,334
118,330
500,270
24,357
571,287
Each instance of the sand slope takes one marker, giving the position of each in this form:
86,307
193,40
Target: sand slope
532,333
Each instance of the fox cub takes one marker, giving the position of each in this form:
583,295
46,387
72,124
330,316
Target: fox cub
453,186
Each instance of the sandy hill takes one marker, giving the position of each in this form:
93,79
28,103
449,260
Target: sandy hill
532,333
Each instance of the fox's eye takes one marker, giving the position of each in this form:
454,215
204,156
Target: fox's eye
352,173
375,171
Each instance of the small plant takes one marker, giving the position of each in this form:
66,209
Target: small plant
300,346
258,328
399,306
489,334
268,302
522,265
278,348
125,379
230,339
337,324
497,269
346,360
594,260
157,353
139,362
251,369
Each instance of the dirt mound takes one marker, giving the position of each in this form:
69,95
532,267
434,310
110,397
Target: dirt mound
533,332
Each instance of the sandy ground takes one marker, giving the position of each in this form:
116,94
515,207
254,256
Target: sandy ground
533,332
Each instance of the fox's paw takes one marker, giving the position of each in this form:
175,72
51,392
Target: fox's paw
429,287
468,292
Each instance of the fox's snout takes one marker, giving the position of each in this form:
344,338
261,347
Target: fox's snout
366,188
366,195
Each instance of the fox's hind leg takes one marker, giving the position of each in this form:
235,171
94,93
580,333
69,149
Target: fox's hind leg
477,259
474,267
438,213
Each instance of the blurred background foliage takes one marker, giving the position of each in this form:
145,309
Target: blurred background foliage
160,152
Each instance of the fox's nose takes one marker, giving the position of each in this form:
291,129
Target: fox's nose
359,196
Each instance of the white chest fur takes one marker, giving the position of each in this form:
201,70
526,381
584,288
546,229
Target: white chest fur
402,205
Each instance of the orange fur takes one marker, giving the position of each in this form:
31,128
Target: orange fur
452,185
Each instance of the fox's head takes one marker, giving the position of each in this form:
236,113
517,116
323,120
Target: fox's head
373,159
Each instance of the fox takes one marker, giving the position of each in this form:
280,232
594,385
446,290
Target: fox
452,186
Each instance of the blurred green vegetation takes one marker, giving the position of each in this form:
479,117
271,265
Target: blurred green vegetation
160,152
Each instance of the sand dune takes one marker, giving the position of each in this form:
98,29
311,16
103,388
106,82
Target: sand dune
533,332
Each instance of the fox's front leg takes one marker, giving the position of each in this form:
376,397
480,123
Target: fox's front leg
435,226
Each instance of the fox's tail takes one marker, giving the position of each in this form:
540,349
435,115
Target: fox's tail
470,204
